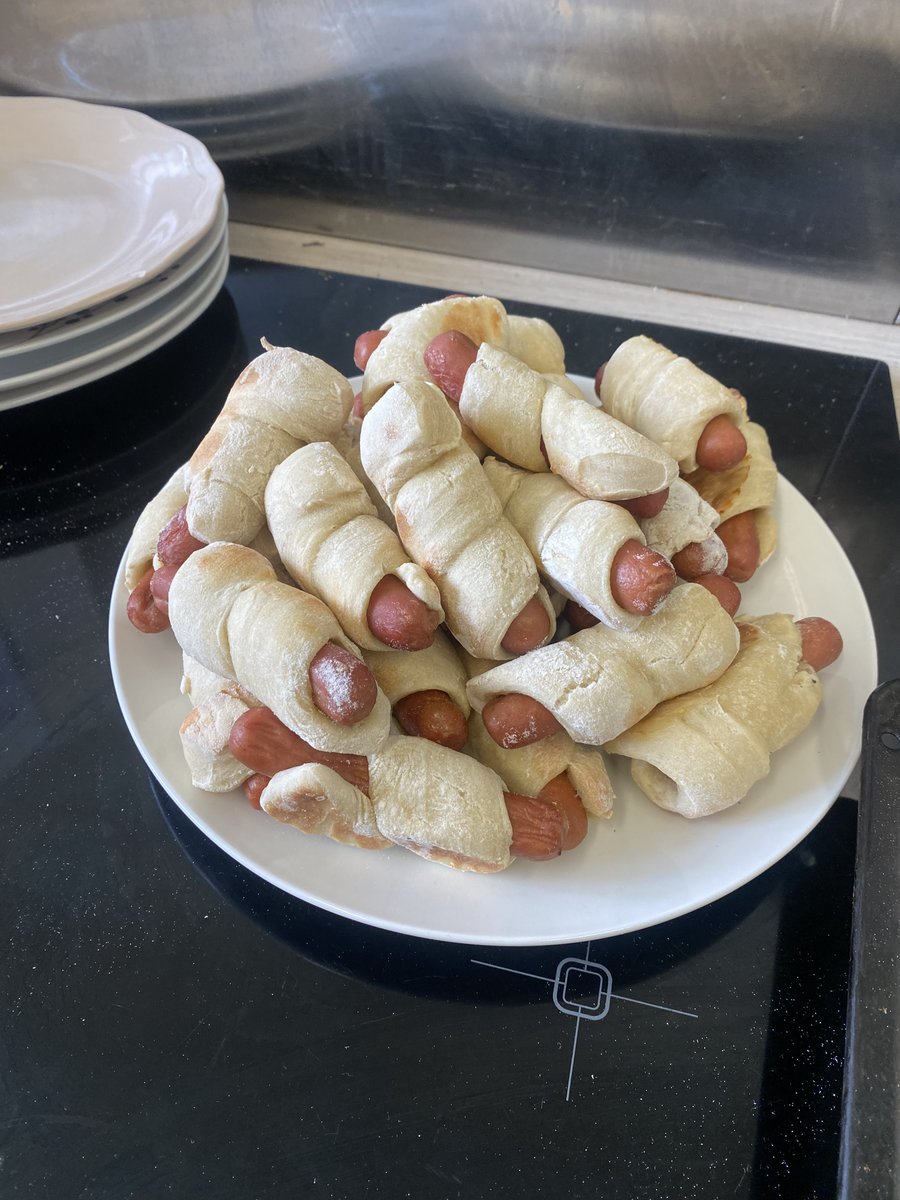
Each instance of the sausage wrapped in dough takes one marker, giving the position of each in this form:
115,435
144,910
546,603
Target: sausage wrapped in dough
449,518
534,423
334,544
686,519
230,613
600,681
667,398
442,805
573,540
747,493
400,356
699,753
281,400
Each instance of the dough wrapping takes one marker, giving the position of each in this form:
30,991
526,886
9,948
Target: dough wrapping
439,667
400,357
204,737
438,803
230,613
685,519
601,681
347,442
572,539
281,400
199,684
700,753
448,516
156,514
315,799
332,541
523,416
528,769
666,397
536,343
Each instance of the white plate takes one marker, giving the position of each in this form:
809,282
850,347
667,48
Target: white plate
642,867
75,333
93,200
139,344
131,331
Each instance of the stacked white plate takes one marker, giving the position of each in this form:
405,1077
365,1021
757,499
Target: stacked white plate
113,239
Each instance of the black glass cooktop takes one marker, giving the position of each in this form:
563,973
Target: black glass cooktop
174,1026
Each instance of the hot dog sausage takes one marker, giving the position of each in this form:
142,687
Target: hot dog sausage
561,792
142,610
642,507
640,578
537,827
528,630
254,788
517,720
160,582
727,593
578,616
176,542
433,715
365,344
741,539
721,445
822,642
400,619
691,562
448,358
598,379
342,686
264,744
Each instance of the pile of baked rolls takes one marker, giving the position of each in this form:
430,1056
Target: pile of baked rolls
420,616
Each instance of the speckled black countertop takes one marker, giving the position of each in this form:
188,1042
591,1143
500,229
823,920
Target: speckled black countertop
174,1026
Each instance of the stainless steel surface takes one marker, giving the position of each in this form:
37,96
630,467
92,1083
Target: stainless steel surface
735,149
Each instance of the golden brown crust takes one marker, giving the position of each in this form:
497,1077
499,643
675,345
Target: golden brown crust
316,800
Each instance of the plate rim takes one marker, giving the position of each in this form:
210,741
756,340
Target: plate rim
172,306
204,292
189,265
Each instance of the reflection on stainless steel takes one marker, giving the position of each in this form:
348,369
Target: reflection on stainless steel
693,65
744,150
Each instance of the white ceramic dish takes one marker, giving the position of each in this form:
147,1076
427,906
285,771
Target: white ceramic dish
126,333
137,344
64,339
93,200
642,867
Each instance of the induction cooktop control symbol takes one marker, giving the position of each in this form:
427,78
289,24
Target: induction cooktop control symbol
589,980
582,989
